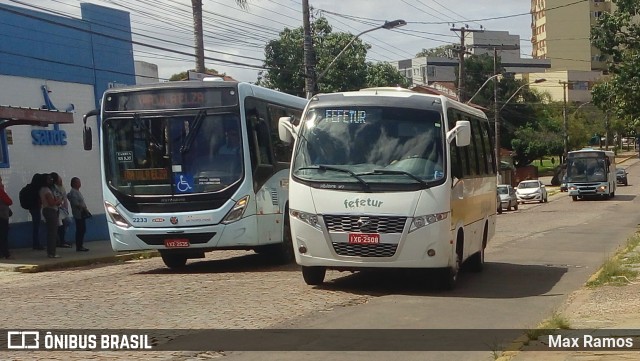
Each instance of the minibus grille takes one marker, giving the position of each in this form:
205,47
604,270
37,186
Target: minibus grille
365,224
365,250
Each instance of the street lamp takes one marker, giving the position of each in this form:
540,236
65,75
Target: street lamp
387,25
482,86
497,121
537,81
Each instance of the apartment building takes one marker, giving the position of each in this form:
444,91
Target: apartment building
561,32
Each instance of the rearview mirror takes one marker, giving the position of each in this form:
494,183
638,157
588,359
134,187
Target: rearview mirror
461,132
286,130
87,139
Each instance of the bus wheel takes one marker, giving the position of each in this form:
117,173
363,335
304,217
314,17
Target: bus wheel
174,261
475,263
575,198
448,278
313,276
281,253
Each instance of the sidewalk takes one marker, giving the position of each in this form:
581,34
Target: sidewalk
29,260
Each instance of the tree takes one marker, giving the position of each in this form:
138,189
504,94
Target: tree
185,74
284,59
385,74
616,36
443,51
196,6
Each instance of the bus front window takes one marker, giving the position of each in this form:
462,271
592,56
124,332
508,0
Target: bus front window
167,155
378,144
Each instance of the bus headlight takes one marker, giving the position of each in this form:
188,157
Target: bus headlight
308,218
602,189
115,216
237,211
421,221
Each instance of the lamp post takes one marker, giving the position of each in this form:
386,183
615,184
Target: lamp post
482,86
387,25
497,120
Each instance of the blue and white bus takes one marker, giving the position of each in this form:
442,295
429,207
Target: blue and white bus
591,172
190,167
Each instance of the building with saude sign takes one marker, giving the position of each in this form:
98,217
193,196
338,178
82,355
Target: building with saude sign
52,62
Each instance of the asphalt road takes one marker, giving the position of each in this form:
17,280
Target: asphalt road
540,254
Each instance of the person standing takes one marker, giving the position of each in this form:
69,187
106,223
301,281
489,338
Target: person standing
37,182
50,206
78,209
5,213
63,211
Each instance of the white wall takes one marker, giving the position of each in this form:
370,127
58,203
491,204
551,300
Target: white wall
70,160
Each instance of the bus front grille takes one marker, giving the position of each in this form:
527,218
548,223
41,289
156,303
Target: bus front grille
365,224
158,239
365,250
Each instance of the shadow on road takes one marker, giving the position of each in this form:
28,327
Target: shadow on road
618,197
238,264
498,280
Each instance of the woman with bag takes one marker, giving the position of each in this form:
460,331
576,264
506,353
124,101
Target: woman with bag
50,205
5,213
79,211
63,211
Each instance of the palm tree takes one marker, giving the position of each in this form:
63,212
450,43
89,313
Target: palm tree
196,5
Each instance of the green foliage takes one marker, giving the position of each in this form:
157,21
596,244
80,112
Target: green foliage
444,51
284,57
184,75
384,74
616,36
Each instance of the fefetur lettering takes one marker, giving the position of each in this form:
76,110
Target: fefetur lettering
361,202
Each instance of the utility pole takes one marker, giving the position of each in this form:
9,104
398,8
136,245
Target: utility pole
496,112
309,54
461,52
565,122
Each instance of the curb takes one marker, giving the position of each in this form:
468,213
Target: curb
85,262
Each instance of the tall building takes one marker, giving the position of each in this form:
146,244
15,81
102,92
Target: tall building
561,31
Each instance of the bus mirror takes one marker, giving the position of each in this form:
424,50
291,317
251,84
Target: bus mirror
461,132
86,131
286,130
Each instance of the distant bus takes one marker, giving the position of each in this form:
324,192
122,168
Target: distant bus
591,172
386,178
194,166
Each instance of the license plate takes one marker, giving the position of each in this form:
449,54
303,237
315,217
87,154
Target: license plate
364,238
176,243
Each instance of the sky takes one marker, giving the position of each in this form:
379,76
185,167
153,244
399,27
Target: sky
235,37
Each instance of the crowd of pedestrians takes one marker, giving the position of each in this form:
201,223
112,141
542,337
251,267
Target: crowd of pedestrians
47,199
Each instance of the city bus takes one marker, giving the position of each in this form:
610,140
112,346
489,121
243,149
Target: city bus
194,166
591,172
390,178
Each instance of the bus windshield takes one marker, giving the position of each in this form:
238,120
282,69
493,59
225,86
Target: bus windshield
586,170
174,153
371,144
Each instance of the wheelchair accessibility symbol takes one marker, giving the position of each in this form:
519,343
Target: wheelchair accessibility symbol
183,183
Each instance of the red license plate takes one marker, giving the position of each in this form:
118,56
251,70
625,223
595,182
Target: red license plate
364,238
176,243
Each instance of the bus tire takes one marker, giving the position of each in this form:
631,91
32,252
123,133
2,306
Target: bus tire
448,278
174,261
313,276
475,263
280,253
575,198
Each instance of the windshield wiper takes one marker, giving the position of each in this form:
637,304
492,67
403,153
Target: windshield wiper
389,171
193,131
365,185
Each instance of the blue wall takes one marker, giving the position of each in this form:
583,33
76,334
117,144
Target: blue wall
96,49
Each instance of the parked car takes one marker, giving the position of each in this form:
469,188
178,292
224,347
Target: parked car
621,176
499,207
508,197
531,191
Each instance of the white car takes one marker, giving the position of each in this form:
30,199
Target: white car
531,191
